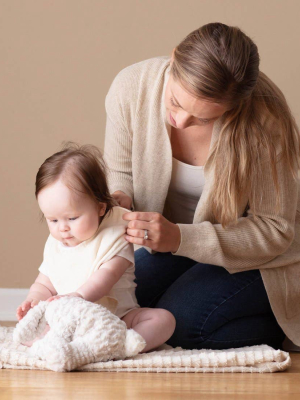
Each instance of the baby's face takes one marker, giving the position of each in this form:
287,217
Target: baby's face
72,218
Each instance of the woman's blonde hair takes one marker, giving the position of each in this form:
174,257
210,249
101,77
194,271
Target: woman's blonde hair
219,63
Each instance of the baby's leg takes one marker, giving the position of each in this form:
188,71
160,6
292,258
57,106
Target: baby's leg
155,325
29,343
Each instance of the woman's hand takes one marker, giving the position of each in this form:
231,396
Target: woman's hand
73,294
163,235
123,199
23,309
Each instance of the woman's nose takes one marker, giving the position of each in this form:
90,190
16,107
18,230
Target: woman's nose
182,119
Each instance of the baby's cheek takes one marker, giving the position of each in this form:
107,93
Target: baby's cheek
88,226
53,232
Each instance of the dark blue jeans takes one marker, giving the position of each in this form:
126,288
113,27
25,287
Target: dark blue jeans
213,308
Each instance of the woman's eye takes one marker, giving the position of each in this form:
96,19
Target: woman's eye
172,102
54,220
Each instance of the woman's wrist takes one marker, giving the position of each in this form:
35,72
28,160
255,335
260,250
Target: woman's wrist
177,239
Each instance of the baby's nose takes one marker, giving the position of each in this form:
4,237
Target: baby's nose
64,227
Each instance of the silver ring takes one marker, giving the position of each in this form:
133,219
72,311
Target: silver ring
146,234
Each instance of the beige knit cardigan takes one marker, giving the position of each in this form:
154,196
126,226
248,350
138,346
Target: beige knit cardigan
139,156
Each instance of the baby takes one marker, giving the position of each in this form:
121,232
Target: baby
86,253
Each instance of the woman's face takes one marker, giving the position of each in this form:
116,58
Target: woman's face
184,110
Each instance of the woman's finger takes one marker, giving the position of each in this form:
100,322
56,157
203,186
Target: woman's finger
141,225
141,216
140,233
139,241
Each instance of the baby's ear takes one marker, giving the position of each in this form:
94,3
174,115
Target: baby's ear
102,209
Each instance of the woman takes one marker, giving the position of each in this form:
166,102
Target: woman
205,148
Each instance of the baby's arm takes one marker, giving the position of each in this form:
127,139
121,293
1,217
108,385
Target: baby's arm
101,281
41,289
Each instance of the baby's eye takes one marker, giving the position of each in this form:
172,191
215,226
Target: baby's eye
73,219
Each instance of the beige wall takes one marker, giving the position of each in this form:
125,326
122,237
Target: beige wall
58,59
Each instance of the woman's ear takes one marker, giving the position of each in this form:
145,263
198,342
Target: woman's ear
102,209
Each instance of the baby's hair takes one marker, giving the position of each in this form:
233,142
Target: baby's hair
81,168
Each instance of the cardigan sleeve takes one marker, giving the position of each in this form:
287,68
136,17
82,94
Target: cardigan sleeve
117,155
251,243
118,134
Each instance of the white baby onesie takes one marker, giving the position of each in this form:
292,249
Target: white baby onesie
68,268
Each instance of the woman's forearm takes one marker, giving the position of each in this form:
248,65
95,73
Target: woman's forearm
245,246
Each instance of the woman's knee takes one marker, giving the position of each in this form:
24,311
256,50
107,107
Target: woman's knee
239,332
200,312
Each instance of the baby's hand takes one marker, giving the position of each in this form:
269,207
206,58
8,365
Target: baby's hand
73,294
23,309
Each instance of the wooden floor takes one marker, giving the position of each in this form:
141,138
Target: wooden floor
35,384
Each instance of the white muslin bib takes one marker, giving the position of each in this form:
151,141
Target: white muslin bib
68,268
184,192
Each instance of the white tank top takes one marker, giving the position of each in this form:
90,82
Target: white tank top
184,192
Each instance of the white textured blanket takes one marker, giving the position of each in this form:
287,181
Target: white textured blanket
165,359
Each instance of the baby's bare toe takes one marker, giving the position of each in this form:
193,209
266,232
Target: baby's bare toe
28,344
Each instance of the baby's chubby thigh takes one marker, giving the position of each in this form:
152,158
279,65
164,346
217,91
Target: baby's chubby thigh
158,315
155,325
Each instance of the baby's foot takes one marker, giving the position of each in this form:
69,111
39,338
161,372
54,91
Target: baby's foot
30,342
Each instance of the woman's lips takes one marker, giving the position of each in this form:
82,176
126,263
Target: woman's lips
172,120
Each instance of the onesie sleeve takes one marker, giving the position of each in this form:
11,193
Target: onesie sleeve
127,252
44,267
